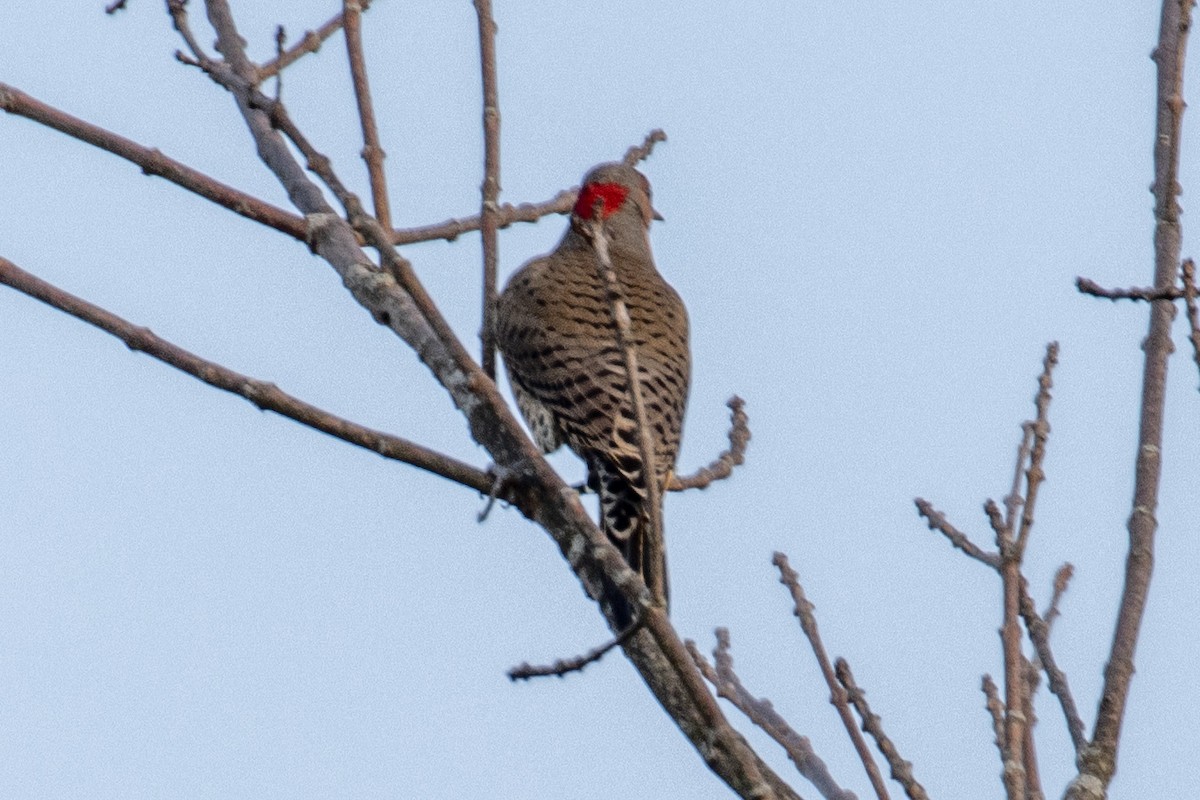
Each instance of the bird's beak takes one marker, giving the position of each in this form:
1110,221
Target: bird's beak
655,215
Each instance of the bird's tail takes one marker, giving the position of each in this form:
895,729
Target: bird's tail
625,518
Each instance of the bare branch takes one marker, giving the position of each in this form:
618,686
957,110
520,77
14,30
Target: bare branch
115,6
152,162
561,667
489,224
837,693
872,724
1193,316
1041,432
1062,580
1098,761
506,215
652,566
372,151
1039,634
310,42
1146,293
763,714
642,151
938,522
266,396
722,466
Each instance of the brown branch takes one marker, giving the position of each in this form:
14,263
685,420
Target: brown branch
837,693
1056,679
1015,686
1062,580
722,467
762,713
1193,315
1098,761
506,215
872,724
938,522
1035,475
115,6
310,42
152,162
641,152
1014,500
265,395
372,151
563,666
396,298
1033,776
1146,293
655,579
995,709
490,190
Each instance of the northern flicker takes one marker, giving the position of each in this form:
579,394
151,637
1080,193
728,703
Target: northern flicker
556,331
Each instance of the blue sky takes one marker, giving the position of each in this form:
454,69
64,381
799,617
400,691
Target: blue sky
875,215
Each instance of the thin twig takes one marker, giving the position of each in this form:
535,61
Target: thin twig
1056,679
372,151
152,162
1193,315
490,190
655,579
1062,580
506,215
1029,757
266,396
310,42
1014,500
762,713
1146,293
722,466
1015,686
1098,761
641,152
995,709
1035,475
837,693
938,522
115,6
562,666
872,724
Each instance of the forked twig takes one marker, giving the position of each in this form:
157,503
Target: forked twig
872,724
803,610
310,42
763,714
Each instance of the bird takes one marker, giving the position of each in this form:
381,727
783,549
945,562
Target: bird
556,330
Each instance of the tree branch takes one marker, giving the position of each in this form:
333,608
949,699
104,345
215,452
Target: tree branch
872,724
266,396
490,190
152,162
372,151
1098,761
837,693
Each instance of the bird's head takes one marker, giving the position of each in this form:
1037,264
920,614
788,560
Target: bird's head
615,191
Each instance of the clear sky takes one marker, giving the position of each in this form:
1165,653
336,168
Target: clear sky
875,213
